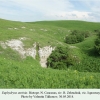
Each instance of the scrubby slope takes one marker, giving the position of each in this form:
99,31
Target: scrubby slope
43,34
27,73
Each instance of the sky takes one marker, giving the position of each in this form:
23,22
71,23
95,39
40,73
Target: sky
40,10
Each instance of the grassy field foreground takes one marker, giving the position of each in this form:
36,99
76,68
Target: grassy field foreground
29,74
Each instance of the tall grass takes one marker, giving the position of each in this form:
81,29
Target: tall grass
29,74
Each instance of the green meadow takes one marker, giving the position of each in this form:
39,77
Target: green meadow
16,72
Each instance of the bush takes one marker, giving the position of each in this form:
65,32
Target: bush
97,30
71,39
98,34
86,34
77,36
97,45
80,37
61,58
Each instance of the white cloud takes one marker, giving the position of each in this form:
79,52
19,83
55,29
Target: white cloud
38,9
74,15
94,9
34,10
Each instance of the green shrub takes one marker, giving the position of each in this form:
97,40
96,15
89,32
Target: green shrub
86,34
71,39
97,43
97,30
80,37
77,36
61,58
88,65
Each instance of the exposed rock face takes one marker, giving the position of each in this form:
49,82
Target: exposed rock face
31,51
17,45
3,45
44,53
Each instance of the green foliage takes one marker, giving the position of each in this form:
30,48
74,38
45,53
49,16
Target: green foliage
77,36
71,39
61,58
97,43
72,24
29,74
88,65
97,30
98,34
86,34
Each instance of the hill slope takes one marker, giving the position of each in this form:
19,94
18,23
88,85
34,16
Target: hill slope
69,24
16,72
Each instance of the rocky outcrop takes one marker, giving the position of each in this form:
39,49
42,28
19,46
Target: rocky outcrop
31,51
44,53
17,45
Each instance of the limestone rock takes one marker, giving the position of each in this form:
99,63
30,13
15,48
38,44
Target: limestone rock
17,45
44,53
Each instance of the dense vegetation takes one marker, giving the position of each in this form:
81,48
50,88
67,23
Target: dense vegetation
27,73
62,58
77,36
97,43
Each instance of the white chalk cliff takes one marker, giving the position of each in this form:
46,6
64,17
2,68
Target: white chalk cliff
17,45
44,53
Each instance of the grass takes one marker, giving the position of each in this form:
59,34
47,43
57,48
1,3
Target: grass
28,73
72,24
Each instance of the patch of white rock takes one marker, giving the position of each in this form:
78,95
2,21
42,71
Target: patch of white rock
17,45
44,53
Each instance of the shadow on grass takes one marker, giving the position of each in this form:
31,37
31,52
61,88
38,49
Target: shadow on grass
92,52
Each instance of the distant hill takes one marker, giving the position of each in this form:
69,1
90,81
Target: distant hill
71,24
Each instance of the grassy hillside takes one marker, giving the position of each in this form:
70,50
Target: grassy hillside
71,24
28,73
